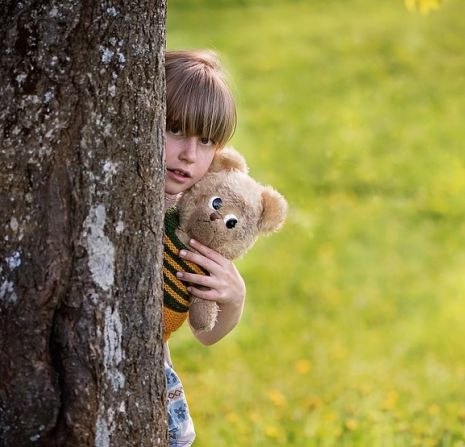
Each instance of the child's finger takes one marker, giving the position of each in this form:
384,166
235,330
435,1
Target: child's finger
200,260
201,280
206,251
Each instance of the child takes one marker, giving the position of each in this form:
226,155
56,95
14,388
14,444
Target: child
200,119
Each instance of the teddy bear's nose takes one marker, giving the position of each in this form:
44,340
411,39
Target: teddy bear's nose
214,216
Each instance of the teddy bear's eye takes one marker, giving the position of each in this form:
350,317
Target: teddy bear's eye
215,203
230,220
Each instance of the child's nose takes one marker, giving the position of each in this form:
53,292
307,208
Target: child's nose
189,152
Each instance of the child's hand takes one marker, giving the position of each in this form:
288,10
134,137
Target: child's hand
223,285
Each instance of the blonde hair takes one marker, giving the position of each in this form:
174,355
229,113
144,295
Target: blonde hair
198,99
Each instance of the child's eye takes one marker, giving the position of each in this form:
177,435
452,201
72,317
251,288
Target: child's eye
175,130
207,141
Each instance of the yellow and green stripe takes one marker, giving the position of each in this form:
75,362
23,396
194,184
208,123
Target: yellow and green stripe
176,297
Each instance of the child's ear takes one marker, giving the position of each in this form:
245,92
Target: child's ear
227,159
274,210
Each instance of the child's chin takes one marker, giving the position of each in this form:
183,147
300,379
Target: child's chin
173,190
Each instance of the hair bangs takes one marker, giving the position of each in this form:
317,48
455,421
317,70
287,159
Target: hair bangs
202,107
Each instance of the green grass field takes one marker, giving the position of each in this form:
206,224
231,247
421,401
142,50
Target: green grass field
354,328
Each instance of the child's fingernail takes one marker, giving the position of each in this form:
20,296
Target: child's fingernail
182,253
189,289
192,242
179,274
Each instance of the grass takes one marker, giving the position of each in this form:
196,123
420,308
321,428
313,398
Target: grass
353,329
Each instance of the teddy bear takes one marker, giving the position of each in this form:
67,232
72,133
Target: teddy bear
226,210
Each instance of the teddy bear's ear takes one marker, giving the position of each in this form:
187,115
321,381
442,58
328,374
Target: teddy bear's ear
274,210
227,159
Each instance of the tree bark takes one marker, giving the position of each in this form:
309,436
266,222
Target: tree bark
82,120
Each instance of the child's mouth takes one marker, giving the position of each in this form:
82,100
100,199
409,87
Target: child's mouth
178,175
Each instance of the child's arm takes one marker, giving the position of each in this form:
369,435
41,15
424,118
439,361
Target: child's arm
224,285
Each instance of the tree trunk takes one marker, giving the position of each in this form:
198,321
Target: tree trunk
82,120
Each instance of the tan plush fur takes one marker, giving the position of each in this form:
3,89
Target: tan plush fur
257,210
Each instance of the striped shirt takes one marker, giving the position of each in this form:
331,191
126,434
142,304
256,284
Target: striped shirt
176,298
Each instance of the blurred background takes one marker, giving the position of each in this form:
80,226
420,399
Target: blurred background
354,327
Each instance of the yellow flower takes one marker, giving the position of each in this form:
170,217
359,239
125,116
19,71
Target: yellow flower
232,417
433,410
272,431
302,366
352,424
424,6
254,416
330,417
391,400
277,398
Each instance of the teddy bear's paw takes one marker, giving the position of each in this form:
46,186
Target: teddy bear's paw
203,315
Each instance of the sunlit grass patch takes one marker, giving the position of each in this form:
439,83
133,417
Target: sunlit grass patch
353,329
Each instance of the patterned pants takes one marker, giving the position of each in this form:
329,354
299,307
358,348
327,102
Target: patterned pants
180,425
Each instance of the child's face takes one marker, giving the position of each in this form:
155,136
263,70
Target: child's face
187,160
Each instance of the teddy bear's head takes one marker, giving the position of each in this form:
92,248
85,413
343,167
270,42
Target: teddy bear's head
227,210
